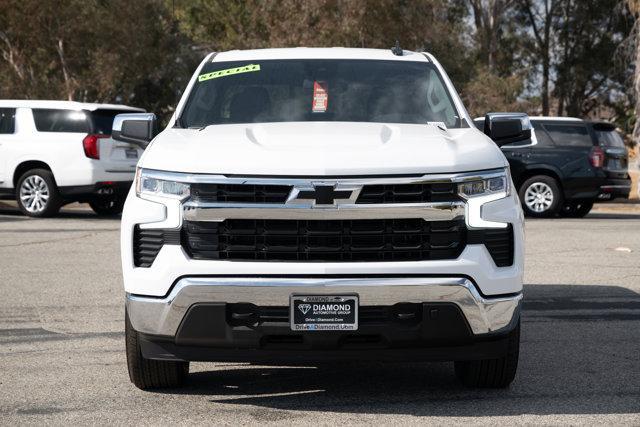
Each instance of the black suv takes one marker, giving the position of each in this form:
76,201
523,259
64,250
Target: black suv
567,165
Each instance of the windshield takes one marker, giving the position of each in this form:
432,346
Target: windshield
319,90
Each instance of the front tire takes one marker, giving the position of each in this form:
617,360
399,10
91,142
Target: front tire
492,373
146,373
37,194
541,196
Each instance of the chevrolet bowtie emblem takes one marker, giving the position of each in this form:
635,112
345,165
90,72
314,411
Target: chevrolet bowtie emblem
323,194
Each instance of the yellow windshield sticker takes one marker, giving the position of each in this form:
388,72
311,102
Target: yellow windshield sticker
229,72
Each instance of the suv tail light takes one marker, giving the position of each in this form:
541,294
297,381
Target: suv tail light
596,157
91,146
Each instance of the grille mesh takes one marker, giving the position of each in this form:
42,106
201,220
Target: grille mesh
367,240
240,193
148,242
408,193
324,240
370,194
498,241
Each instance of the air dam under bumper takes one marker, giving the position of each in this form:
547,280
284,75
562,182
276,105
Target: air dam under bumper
193,321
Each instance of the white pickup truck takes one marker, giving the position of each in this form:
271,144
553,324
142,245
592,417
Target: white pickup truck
312,205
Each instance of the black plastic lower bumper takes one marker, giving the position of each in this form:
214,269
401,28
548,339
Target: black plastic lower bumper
436,332
615,189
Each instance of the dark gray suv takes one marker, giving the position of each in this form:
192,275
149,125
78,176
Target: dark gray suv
567,165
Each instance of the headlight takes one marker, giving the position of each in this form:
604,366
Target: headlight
481,189
493,183
147,185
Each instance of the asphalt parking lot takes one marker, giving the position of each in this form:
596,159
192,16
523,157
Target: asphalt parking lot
62,344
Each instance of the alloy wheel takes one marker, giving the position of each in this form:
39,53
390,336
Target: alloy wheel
34,194
538,197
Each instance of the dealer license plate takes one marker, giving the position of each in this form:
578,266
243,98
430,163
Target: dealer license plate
324,312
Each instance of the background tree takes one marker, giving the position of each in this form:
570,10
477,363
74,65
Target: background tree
73,50
540,16
634,54
417,24
489,17
589,31
549,56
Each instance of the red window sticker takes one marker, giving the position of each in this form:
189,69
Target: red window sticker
320,97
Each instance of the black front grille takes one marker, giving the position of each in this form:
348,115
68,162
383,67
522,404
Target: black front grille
370,194
240,193
498,241
408,193
324,240
148,242
357,240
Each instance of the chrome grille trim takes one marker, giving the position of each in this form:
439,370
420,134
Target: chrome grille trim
441,211
191,178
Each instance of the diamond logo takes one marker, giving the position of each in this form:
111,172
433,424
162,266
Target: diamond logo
304,308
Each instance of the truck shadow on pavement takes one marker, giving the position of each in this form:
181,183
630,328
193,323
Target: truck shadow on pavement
635,215
579,355
595,216
607,215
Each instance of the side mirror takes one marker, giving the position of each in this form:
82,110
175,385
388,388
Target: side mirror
135,128
507,128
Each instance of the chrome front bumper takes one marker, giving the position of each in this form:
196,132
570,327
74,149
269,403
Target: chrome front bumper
162,316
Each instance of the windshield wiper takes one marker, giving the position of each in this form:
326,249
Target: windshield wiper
439,125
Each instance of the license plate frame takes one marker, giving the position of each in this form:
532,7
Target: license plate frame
323,312
131,153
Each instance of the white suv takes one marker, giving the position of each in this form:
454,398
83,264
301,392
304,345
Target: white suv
310,205
57,152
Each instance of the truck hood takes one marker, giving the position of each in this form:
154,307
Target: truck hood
322,149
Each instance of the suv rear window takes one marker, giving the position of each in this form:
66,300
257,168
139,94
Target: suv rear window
7,120
574,135
297,90
50,120
608,137
102,120
80,121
